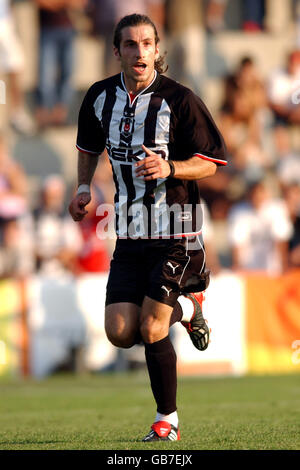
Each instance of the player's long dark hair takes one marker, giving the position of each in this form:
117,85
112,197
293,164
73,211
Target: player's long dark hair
136,20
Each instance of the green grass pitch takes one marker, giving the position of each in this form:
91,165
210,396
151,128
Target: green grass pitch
116,411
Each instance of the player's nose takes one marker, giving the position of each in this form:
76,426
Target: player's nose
139,51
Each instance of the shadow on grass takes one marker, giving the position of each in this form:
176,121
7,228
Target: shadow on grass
123,441
27,441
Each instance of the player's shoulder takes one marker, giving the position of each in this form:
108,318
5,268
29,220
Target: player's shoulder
177,92
170,84
103,85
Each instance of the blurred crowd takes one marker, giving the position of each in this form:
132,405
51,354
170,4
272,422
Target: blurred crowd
252,207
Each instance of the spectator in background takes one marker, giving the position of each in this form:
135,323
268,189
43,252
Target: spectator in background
292,200
254,13
13,183
55,60
215,12
288,159
11,65
259,231
244,121
57,240
283,84
93,258
219,223
244,101
15,247
249,81
212,261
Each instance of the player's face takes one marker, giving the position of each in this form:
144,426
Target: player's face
137,55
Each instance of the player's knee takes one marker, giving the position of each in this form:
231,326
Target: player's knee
152,329
120,341
121,325
120,338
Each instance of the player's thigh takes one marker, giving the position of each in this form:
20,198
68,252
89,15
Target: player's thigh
122,323
127,276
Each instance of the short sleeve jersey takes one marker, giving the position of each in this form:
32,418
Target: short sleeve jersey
169,119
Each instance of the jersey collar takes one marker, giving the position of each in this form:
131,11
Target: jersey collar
149,89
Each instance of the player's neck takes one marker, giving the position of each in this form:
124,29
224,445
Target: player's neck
134,87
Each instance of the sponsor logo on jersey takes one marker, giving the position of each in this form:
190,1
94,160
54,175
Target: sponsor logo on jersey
184,216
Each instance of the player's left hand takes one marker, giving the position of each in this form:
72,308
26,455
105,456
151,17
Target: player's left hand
153,166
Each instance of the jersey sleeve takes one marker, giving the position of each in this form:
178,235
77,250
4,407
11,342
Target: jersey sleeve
198,131
90,134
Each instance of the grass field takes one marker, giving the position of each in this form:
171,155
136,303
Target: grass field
116,411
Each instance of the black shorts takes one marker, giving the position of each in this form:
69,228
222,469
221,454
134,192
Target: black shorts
159,269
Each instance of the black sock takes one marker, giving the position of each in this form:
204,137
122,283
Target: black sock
161,363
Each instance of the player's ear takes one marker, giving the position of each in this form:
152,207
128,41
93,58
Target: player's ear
156,52
117,53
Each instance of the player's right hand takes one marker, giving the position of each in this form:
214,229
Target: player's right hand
77,206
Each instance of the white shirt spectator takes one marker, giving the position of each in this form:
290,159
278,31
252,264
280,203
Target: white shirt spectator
11,54
256,231
282,86
53,235
4,9
288,169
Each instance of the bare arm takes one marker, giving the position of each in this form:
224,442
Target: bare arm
87,164
154,166
54,5
50,4
194,168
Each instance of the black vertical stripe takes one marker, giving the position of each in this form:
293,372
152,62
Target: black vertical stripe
116,198
110,100
126,171
128,180
148,202
149,141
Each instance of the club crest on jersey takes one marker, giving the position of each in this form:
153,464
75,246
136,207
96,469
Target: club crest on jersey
127,124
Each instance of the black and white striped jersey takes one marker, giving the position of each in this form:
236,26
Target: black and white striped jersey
169,119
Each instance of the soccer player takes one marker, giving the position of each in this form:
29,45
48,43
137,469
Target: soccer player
160,139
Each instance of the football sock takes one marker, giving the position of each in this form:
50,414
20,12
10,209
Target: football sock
172,418
161,363
187,307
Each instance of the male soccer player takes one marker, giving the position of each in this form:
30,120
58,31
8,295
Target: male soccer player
160,139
